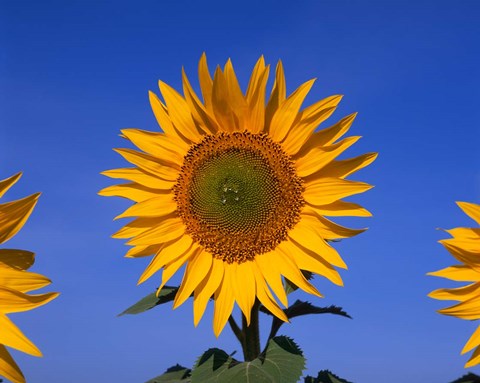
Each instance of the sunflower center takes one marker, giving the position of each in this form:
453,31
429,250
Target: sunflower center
238,195
234,190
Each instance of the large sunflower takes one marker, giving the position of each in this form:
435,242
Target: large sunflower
237,189
15,282
465,247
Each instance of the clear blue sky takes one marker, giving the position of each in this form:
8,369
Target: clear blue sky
73,73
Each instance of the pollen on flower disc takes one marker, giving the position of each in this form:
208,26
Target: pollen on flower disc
238,194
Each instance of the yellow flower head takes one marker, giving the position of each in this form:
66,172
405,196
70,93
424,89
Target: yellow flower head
465,247
16,282
237,189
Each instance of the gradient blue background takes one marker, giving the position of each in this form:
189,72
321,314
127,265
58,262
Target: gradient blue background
73,73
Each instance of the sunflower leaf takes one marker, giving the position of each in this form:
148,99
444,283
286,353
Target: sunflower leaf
175,374
325,376
167,294
300,308
468,378
281,362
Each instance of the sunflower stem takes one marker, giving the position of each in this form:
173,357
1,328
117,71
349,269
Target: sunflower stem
251,350
237,331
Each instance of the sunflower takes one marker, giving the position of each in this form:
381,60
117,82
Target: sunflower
237,189
16,281
465,247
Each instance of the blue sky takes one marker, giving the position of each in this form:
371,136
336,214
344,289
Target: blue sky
72,74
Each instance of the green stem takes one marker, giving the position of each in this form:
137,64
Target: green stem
251,349
237,331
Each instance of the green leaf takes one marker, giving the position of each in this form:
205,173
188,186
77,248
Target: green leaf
325,376
468,378
151,300
301,308
304,308
281,362
175,374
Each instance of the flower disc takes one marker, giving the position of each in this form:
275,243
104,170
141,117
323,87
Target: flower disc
238,195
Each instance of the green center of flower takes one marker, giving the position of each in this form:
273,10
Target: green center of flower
234,190
238,195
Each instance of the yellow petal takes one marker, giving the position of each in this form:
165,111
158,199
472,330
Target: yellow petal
163,119
176,249
309,119
224,112
470,245
206,121
278,95
143,251
13,215
318,158
160,145
172,267
326,228
11,336
206,82
474,359
311,261
344,168
340,209
12,301
236,100
320,106
465,232
305,234
460,273
268,267
471,209
8,368
328,135
206,289
8,183
140,177
255,79
256,117
179,112
158,206
467,256
224,301
287,112
132,191
196,270
291,271
137,227
469,309
327,190
458,294
17,259
473,342
265,296
167,230
21,280
243,284
149,164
